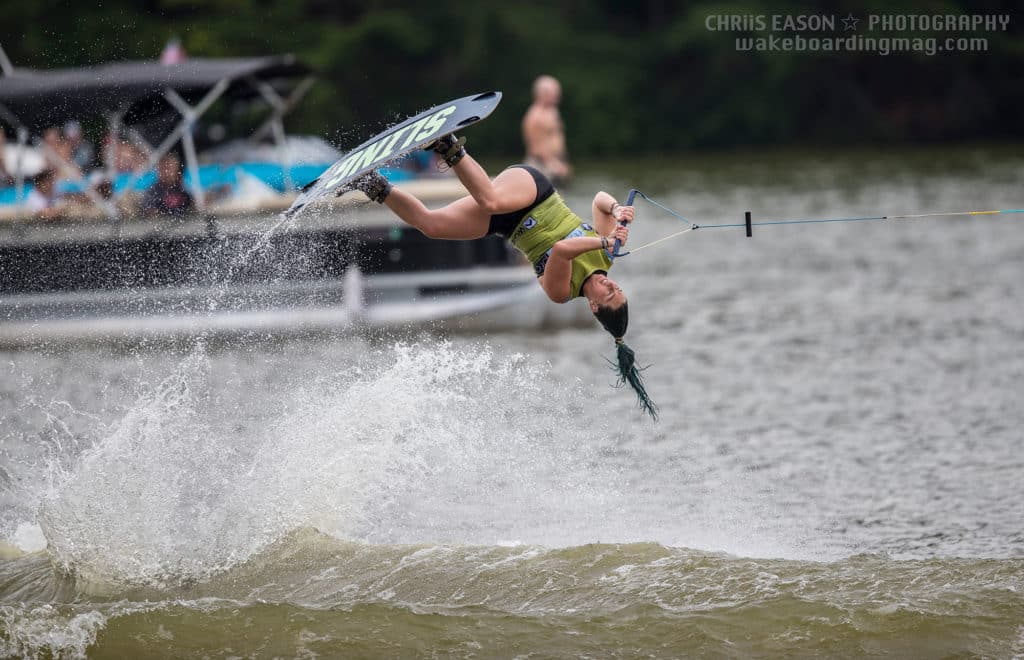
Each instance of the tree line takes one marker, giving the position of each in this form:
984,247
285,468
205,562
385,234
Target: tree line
640,77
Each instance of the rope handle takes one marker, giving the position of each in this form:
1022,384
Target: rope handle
622,223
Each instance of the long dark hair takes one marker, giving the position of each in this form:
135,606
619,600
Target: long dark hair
615,321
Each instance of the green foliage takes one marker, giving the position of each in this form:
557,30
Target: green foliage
645,76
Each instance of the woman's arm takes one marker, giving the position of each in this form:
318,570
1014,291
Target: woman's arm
558,270
607,213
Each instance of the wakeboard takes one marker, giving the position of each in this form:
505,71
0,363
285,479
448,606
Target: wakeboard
414,133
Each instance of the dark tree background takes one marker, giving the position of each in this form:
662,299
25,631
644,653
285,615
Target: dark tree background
642,76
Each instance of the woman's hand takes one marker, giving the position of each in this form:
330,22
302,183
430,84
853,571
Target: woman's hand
621,233
622,213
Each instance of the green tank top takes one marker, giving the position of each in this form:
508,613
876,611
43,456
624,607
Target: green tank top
546,224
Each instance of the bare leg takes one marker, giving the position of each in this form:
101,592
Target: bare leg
468,217
462,219
511,190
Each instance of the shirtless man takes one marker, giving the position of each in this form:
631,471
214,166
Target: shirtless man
543,132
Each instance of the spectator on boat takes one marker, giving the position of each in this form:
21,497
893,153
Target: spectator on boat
129,157
544,133
101,184
57,151
124,155
81,150
108,151
6,179
43,200
168,195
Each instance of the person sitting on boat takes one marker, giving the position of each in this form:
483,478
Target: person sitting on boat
168,195
5,177
80,150
570,256
57,151
43,200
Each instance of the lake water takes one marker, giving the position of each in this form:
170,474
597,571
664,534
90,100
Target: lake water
836,471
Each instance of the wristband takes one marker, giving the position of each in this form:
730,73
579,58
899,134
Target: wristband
604,242
611,211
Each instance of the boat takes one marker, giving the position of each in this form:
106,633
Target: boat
235,267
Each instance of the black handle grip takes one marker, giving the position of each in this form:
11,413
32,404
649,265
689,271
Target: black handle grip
629,202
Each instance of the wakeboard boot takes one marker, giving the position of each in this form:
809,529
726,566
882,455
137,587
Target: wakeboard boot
451,148
373,185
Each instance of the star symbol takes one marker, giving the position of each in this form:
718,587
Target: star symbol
850,22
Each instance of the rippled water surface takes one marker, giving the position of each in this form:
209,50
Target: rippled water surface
836,470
